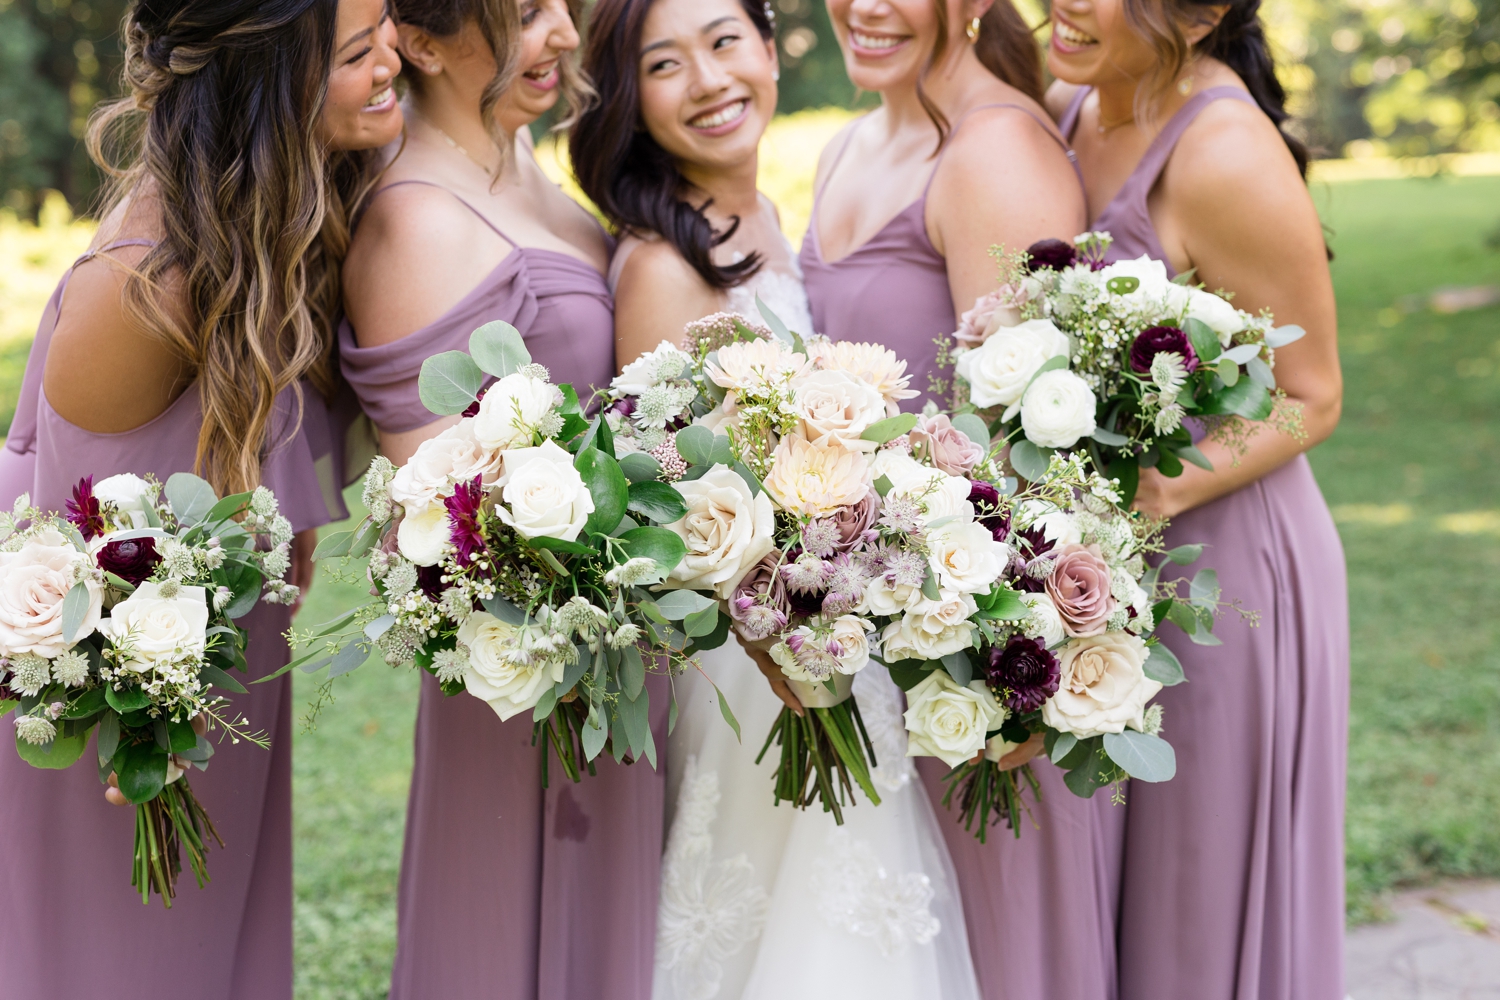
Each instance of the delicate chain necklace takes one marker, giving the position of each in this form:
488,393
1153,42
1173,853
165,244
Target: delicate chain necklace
471,157
1111,126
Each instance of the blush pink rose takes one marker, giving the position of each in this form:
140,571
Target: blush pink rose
949,449
1002,307
1079,587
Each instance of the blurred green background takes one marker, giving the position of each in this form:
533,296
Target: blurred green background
1413,473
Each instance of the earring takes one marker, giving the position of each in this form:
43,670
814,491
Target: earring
972,30
434,69
776,75
1186,86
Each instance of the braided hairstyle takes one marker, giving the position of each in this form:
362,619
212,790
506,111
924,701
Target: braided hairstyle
1238,41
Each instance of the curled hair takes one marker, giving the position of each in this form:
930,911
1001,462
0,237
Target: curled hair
220,126
1005,46
627,174
1238,41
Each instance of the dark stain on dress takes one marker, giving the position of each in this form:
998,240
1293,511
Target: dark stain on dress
571,822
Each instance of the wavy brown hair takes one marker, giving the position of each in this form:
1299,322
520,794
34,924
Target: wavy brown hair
1005,46
221,125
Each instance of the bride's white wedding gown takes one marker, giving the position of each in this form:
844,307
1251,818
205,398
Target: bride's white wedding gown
767,902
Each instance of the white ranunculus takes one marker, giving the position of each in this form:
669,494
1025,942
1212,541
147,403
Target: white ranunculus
947,721
1044,623
998,371
932,629
940,494
500,672
34,583
899,467
1103,688
1221,317
129,494
544,496
454,456
884,599
513,409
653,368
727,531
159,629
836,408
1152,275
1058,409
1058,526
965,557
424,534
854,645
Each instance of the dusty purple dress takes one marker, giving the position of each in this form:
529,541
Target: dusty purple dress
509,891
1233,884
70,924
1040,910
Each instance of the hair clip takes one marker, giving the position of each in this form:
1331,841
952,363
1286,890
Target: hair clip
770,13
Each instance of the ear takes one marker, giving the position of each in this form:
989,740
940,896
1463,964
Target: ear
774,56
418,48
976,8
1208,18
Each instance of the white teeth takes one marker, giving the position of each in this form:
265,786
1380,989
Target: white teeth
875,41
723,117
379,98
540,74
1072,35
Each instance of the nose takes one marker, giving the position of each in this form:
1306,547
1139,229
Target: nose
709,78
564,35
387,59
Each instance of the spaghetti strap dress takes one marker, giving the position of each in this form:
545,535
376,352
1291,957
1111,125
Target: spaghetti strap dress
510,891
1040,909
70,924
1233,879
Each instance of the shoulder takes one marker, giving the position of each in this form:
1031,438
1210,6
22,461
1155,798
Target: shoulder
1013,143
653,266
1060,97
1233,154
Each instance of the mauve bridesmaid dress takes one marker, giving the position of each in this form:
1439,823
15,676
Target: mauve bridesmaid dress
71,926
1233,879
1041,909
509,891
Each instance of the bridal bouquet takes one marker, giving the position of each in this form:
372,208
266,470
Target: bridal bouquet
509,558
1109,359
119,618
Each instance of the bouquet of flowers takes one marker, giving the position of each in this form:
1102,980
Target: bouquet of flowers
1110,359
120,617
509,558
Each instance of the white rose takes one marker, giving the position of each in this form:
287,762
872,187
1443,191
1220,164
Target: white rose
854,645
1221,317
1058,526
1044,623
949,722
159,629
836,408
424,534
1152,275
940,494
1103,686
543,494
500,672
998,371
454,456
128,493
653,368
727,531
512,409
884,599
932,629
722,418
34,583
965,557
1058,409
899,467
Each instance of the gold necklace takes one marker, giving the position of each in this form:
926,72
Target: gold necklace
471,157
1103,128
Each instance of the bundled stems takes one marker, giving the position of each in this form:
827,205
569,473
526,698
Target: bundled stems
563,732
825,752
165,827
987,794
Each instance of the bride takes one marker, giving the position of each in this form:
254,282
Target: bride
756,901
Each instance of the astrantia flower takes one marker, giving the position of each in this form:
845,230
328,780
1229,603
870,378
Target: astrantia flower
1169,372
84,511
632,572
1051,255
71,668
1156,340
902,514
905,569
29,673
132,559
821,538
464,509
1022,673
35,730
846,581
450,664
808,574
625,635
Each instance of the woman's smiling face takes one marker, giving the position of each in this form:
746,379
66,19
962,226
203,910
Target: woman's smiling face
548,35
707,81
360,109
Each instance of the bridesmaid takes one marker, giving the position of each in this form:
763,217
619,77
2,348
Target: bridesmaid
1233,875
507,890
960,156
160,353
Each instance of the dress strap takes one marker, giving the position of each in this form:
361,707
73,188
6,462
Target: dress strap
117,244
1069,123
456,197
1046,124
1143,178
837,159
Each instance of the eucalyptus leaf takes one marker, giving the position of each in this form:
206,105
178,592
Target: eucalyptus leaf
1182,616
1185,555
1052,364
665,547
109,736
1242,354
657,501
503,610
632,672
1260,373
773,321
959,668
74,610
749,478
1204,340
1029,461
572,674
883,485
930,588
1190,453
1228,371
696,445
728,715
974,428
1087,778
227,508
1284,335
333,545
1061,747
1163,666
498,349
449,383
723,453
635,717
677,605
593,739
379,627
544,705
1204,589
701,623
191,498
1110,438
1141,755
350,658
907,674
640,467
890,428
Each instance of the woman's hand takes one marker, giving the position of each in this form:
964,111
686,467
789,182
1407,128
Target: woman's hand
1023,754
773,673
303,546
115,797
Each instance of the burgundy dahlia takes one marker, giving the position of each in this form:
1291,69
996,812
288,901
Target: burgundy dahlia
1054,255
465,530
1160,340
1023,673
131,559
473,408
986,501
84,511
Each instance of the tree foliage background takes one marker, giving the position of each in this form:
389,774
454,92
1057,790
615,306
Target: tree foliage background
1367,77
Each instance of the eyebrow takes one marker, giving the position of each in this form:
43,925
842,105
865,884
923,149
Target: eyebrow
359,37
710,26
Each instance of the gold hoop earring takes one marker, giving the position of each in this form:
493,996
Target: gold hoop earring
973,30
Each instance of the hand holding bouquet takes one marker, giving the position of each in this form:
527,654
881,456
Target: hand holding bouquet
120,618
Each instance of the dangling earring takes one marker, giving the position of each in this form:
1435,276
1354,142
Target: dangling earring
973,31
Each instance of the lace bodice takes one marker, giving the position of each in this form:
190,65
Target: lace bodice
780,288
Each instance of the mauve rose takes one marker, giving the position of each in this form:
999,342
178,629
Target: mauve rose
855,520
759,619
1158,340
1079,586
1023,673
949,449
132,560
1051,254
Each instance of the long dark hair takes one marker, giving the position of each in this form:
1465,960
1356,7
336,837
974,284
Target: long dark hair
1005,46
1238,41
222,115
633,181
